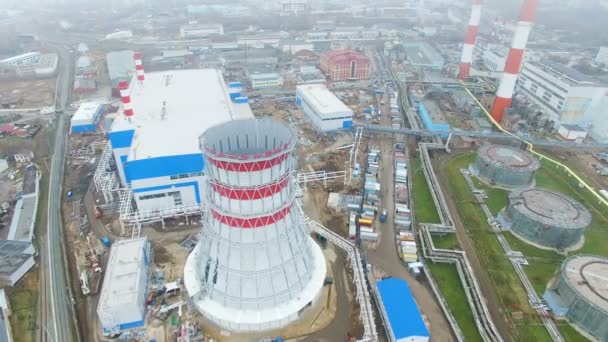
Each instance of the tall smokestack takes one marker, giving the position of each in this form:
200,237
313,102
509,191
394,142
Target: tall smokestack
469,41
125,99
504,94
139,66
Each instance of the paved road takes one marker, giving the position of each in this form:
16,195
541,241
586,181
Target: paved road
57,319
385,256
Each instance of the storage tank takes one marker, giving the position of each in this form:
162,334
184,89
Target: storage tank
255,267
545,218
580,294
505,166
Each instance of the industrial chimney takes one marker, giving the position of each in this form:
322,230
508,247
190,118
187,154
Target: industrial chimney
504,94
469,41
139,66
125,98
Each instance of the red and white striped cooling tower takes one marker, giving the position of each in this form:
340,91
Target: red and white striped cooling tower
125,98
469,41
255,267
504,94
139,66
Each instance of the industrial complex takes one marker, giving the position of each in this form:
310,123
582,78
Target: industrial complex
303,170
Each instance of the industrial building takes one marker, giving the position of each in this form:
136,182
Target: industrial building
122,302
579,293
262,76
120,67
196,30
175,106
16,258
342,65
566,95
505,166
24,216
433,119
402,319
255,267
545,218
323,108
86,117
572,133
423,56
254,56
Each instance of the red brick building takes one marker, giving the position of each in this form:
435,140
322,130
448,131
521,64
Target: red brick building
342,65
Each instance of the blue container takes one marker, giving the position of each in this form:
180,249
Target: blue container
241,99
234,95
234,85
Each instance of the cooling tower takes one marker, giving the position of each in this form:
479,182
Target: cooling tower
255,267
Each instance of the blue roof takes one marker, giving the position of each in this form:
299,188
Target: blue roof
403,316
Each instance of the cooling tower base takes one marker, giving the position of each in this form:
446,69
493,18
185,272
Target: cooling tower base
255,320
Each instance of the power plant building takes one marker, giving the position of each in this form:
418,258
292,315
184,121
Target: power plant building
505,166
122,302
342,65
545,218
155,142
323,108
255,267
579,293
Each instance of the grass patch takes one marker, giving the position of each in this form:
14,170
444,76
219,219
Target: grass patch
569,333
506,285
447,241
497,198
424,207
23,300
448,281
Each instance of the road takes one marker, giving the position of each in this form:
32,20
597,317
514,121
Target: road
385,257
57,322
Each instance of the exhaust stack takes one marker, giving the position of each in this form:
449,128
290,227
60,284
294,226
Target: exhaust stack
139,67
469,41
127,110
504,94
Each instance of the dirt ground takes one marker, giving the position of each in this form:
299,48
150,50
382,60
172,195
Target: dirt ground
29,93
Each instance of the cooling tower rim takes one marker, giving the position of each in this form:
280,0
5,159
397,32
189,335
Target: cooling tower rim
210,140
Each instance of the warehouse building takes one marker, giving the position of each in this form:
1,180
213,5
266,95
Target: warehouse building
122,302
120,67
16,259
566,96
400,313
196,30
156,148
24,216
86,117
342,65
424,56
545,218
579,293
323,108
504,166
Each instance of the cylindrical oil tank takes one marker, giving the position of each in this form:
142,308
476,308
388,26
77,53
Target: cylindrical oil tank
580,293
547,218
505,166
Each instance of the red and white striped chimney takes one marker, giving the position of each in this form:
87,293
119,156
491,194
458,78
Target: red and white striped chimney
504,94
469,40
125,98
139,66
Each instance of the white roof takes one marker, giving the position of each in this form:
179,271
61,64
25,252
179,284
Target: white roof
323,101
86,111
121,284
20,57
173,108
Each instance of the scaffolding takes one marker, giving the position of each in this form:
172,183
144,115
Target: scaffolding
104,178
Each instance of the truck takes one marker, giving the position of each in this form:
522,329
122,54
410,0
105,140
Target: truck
98,212
383,215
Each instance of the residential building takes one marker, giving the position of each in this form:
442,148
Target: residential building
325,111
264,76
341,65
